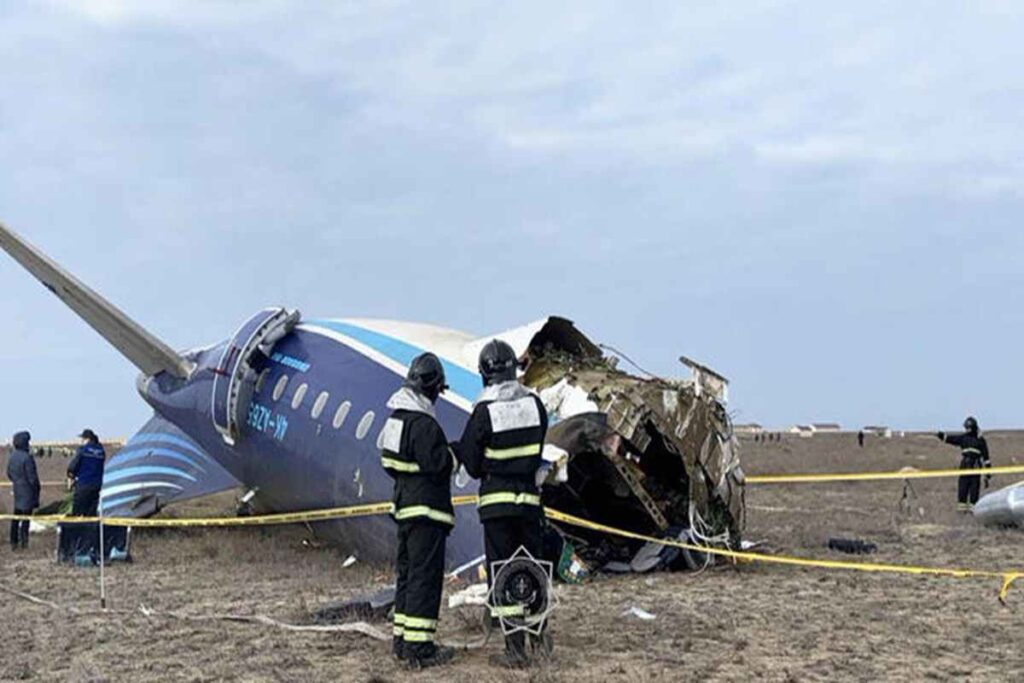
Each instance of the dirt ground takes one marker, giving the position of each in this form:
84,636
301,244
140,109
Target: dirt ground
728,623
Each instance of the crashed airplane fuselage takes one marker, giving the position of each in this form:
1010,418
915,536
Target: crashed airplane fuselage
1004,507
292,409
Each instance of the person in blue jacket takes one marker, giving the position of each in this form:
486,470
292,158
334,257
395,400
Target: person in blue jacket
21,470
86,473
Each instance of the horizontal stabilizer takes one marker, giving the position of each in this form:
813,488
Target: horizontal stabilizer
158,466
143,349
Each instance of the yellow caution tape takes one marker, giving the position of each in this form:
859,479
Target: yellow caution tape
256,520
879,476
1008,577
325,514
809,477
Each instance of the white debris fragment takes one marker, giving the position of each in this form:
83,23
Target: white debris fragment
556,458
563,400
349,562
461,477
670,400
474,595
639,614
478,563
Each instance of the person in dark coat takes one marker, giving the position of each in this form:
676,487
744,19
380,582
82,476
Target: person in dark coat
501,446
21,470
973,456
415,453
86,472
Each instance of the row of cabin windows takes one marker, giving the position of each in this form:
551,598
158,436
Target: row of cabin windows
340,415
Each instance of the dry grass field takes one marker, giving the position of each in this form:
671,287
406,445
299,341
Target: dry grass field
729,623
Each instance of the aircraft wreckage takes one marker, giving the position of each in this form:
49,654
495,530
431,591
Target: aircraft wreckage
649,455
292,409
1004,507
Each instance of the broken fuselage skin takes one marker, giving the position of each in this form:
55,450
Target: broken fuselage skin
648,455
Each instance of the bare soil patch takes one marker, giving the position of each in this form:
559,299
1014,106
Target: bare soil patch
728,623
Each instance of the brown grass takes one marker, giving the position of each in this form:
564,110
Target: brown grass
755,621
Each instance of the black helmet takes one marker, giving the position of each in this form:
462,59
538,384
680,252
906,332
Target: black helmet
426,376
971,425
497,362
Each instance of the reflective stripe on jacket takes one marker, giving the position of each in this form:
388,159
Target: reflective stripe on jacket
973,448
501,446
415,453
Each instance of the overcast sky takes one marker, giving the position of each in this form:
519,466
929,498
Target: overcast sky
821,200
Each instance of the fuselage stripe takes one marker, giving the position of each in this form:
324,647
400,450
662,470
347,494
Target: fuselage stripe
465,383
112,503
135,486
129,472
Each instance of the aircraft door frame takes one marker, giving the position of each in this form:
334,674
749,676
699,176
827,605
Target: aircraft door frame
235,375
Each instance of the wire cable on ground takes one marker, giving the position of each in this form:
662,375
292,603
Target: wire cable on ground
360,627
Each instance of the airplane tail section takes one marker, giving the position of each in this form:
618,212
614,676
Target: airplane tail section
148,353
158,466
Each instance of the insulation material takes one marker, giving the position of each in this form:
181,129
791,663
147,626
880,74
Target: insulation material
647,454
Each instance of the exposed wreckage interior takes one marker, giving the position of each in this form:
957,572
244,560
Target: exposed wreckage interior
650,455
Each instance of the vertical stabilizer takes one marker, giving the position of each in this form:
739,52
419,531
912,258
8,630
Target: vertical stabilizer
148,353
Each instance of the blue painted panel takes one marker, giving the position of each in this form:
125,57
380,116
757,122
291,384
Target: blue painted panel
463,382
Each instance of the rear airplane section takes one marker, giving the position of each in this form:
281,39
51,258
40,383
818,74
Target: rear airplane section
160,465
269,408
166,461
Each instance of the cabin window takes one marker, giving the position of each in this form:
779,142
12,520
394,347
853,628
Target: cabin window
319,405
279,388
300,394
341,414
261,380
364,425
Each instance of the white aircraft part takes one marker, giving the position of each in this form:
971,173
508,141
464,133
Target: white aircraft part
562,332
558,458
463,349
519,339
564,400
445,342
1004,507
143,349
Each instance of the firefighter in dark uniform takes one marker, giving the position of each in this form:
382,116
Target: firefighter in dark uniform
974,455
415,453
501,446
